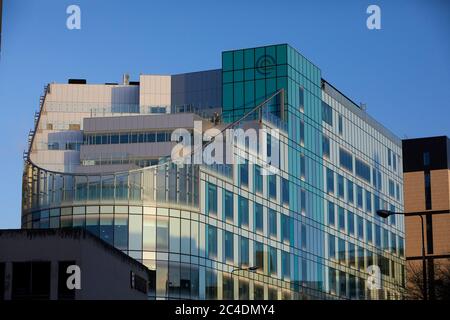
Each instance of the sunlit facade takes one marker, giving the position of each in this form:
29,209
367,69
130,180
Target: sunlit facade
99,158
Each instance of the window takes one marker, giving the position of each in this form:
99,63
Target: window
345,160
228,287
351,223
401,247
368,231
302,166
427,190
285,226
397,191
212,242
351,255
258,179
327,114
350,191
301,99
243,212
303,202
243,174
212,199
302,133
341,217
385,239
326,146
330,181
341,251
394,162
361,259
362,170
228,206
340,180
391,188
378,236
368,202
389,157
30,280
258,217
303,236
229,248
272,260
272,223
332,280
360,227
243,252
340,125
285,265
244,289
210,284
359,196
259,256
393,243
272,186
331,214
331,247
285,191
162,233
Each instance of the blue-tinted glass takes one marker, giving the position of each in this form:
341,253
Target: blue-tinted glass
243,212
345,160
229,248
244,252
272,261
362,170
341,216
212,199
272,223
259,217
351,223
331,214
340,186
285,190
327,114
331,246
330,181
326,146
272,186
212,241
258,179
228,206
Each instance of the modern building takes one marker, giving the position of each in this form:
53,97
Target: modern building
39,264
426,166
303,227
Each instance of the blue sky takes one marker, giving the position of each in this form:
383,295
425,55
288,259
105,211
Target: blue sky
402,72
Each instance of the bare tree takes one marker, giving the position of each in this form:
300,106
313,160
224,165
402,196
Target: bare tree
441,281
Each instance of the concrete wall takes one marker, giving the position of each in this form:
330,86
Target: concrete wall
105,271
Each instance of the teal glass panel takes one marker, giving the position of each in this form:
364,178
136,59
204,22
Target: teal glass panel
249,74
281,54
228,96
238,95
239,75
249,94
249,58
238,60
260,91
227,61
227,77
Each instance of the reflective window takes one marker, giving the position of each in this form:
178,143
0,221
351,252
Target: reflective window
229,247
331,214
330,181
244,252
212,199
243,212
340,186
331,246
351,223
211,241
272,260
341,217
362,170
345,160
272,223
327,114
258,217
326,146
228,205
350,191
258,179
285,191
272,186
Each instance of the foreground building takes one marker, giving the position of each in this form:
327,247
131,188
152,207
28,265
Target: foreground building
426,166
39,264
99,158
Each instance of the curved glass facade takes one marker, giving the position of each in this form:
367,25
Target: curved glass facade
310,229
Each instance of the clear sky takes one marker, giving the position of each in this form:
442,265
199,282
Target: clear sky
402,72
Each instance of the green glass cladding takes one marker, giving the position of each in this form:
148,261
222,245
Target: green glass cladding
250,76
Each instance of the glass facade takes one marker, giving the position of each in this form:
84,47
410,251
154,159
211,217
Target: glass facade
310,229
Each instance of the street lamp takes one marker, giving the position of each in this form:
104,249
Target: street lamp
385,214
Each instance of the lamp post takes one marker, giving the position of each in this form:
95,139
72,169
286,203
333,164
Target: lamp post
252,269
385,214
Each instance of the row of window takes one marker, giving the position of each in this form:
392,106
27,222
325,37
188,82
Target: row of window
347,187
127,137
